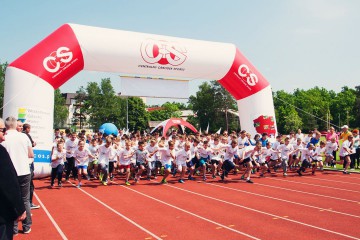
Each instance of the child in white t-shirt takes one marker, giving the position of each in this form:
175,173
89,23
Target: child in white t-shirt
182,157
58,158
81,155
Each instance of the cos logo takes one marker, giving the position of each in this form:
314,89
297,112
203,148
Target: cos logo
244,72
57,59
162,52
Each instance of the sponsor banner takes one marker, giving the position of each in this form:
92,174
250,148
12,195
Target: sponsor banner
55,59
158,88
42,156
243,79
257,114
150,55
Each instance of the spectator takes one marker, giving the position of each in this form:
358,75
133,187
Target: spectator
26,129
12,205
19,148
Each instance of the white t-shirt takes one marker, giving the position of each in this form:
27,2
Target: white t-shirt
82,156
124,156
205,153
285,150
151,149
104,154
56,154
346,145
166,156
319,152
17,145
182,156
306,154
230,152
330,148
217,151
94,151
71,146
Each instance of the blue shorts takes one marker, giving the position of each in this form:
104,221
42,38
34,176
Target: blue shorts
167,166
82,167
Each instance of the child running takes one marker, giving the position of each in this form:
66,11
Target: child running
182,157
167,158
58,158
82,158
104,157
141,160
125,161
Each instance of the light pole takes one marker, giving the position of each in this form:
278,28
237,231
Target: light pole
127,110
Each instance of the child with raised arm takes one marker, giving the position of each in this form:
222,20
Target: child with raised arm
58,158
125,160
167,159
82,158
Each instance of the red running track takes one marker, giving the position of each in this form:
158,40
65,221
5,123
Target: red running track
325,206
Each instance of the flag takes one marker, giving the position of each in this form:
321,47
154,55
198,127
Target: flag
219,131
200,131
207,129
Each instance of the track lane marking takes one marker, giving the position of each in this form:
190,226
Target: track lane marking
117,213
265,213
50,217
192,214
284,200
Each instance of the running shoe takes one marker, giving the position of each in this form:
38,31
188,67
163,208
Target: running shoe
285,174
191,178
204,178
181,181
104,183
299,172
127,184
249,181
164,181
213,176
33,206
27,231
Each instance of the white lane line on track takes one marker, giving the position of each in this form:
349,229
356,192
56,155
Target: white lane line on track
283,200
328,180
119,214
315,185
192,214
50,217
265,213
309,193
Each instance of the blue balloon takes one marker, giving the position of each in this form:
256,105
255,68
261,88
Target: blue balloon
108,129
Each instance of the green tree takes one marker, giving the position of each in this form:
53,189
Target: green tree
287,118
101,104
211,105
138,116
169,110
60,110
343,107
3,67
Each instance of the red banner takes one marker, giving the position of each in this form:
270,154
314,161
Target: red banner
55,59
243,79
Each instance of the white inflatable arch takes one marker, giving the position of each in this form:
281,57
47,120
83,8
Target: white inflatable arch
31,79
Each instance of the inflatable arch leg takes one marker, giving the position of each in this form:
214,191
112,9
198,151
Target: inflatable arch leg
31,79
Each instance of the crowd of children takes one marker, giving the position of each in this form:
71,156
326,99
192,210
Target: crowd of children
188,157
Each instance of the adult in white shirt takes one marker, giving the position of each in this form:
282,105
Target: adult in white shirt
19,147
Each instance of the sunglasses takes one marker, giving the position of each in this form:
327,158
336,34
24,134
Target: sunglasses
3,130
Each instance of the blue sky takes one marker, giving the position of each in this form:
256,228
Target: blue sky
294,44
